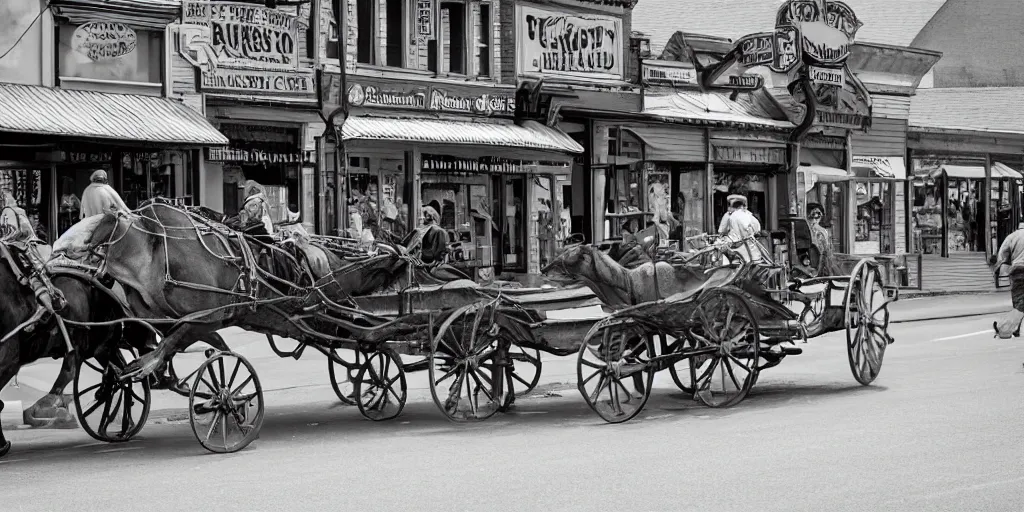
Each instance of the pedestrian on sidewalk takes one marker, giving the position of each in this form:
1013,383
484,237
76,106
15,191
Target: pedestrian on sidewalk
1011,253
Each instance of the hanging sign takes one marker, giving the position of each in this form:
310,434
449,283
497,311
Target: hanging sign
550,42
244,49
103,40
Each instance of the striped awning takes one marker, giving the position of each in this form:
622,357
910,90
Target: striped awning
529,135
98,115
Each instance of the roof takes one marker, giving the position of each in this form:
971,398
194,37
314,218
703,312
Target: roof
894,22
98,115
751,109
982,109
531,135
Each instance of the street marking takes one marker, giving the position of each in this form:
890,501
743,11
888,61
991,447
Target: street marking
10,461
112,450
968,335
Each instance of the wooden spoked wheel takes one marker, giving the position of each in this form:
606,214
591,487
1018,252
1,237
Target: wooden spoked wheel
466,365
342,378
724,322
108,408
524,374
226,406
614,370
380,386
867,322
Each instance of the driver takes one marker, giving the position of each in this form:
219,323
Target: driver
738,226
433,238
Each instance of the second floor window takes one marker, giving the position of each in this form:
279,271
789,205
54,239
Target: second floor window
381,32
110,51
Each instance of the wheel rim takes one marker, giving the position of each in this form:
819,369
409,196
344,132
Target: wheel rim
725,323
614,370
344,389
464,365
381,387
680,371
867,323
524,373
226,408
108,408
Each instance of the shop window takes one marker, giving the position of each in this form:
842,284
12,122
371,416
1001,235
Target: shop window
110,51
832,198
376,200
483,33
453,38
751,185
926,216
542,210
28,188
381,29
962,215
688,204
874,230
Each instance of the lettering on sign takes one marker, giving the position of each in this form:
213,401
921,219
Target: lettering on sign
787,50
488,164
828,76
425,19
772,156
102,40
756,50
418,96
841,119
244,49
225,154
581,45
839,16
654,73
745,81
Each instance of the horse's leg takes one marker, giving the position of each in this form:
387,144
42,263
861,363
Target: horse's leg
10,361
52,409
173,343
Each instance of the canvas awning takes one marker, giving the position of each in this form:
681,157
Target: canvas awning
530,135
814,174
888,167
752,109
999,171
67,113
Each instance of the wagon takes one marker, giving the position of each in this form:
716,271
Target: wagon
716,339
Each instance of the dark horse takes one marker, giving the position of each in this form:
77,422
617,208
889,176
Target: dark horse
194,281
83,303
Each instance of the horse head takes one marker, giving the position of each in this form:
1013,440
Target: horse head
573,262
87,235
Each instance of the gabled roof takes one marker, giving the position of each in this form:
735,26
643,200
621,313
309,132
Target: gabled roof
895,22
983,109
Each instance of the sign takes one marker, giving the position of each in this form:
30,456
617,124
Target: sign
102,40
787,50
423,96
550,42
770,156
756,50
226,154
671,75
444,163
746,82
778,50
848,120
827,76
424,20
245,49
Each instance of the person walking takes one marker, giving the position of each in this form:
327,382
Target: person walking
99,197
739,226
1011,254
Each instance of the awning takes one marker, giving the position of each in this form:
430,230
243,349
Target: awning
889,167
98,115
531,135
999,171
748,109
814,174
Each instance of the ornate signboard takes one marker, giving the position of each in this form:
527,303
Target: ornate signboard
551,42
752,155
487,164
371,93
102,40
244,50
654,73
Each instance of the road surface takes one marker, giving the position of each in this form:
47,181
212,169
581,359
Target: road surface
941,430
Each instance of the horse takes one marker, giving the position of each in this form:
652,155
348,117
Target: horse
173,274
616,285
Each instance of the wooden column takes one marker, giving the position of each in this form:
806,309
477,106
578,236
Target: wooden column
986,200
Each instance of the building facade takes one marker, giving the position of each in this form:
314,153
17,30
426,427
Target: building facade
85,86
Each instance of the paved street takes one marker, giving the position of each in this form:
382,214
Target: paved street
938,431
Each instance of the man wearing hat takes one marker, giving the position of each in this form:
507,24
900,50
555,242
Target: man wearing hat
99,197
738,226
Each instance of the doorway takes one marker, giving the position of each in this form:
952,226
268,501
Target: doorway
509,197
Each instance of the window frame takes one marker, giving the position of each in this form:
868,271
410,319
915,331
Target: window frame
153,87
378,58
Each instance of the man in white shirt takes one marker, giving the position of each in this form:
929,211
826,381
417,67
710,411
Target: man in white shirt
739,226
99,197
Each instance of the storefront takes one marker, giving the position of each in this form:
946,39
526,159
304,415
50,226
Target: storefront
496,185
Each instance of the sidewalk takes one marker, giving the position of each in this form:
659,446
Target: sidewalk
306,380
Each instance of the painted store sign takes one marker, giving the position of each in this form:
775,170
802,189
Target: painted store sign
244,49
101,40
371,93
579,45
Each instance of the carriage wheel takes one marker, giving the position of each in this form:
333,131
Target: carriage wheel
524,373
345,389
682,377
103,400
867,322
613,370
226,407
380,386
466,365
726,323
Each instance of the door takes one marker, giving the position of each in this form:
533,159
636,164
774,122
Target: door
509,196
964,219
